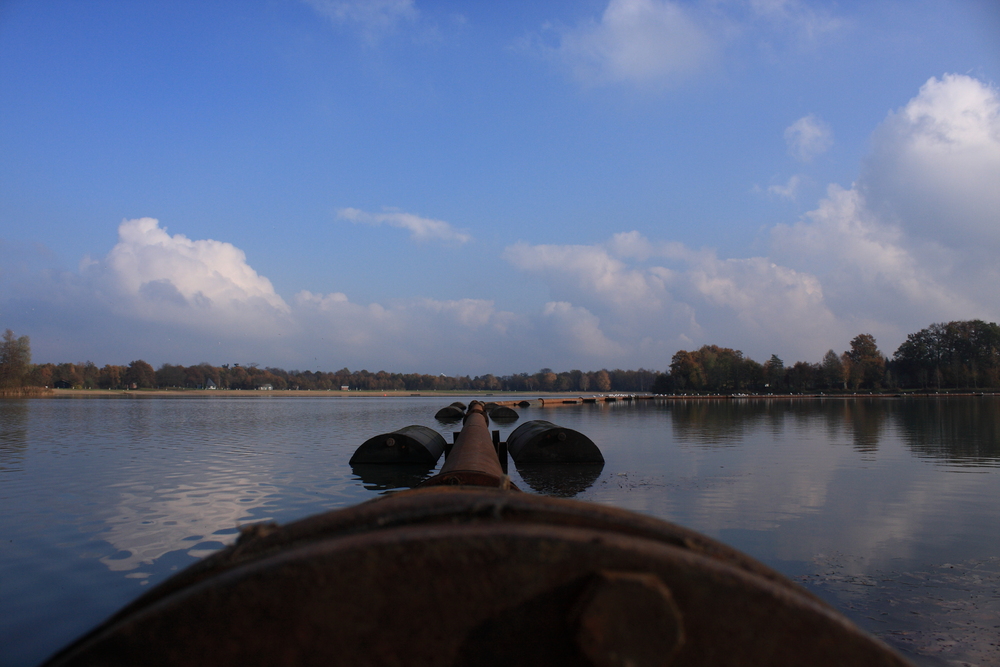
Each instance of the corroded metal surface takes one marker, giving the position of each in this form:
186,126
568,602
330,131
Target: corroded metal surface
446,576
473,459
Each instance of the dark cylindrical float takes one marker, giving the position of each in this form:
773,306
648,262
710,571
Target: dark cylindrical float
501,413
450,413
410,444
539,441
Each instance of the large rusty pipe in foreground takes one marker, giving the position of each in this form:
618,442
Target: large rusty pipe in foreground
473,460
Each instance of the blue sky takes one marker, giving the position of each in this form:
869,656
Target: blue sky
493,187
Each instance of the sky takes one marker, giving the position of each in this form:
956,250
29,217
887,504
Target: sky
472,188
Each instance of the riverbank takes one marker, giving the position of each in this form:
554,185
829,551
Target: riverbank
26,392
277,393
504,397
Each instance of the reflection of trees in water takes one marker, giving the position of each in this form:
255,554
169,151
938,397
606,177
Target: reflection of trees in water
962,430
863,420
13,433
724,423
866,418
562,480
716,423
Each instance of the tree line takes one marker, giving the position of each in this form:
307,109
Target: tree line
961,354
955,355
140,375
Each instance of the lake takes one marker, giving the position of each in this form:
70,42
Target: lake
887,508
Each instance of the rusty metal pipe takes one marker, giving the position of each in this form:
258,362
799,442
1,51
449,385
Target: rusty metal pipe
473,459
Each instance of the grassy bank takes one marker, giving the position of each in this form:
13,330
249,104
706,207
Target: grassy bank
25,392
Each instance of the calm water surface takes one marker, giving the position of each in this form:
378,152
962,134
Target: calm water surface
889,509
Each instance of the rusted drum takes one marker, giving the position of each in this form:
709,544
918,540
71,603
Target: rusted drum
410,444
450,413
539,442
459,576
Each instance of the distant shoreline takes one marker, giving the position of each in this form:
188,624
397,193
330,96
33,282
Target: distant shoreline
273,393
566,398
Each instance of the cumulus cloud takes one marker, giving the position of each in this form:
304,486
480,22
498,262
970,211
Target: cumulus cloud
588,268
421,229
373,18
808,137
205,284
636,41
936,164
647,293
915,239
196,271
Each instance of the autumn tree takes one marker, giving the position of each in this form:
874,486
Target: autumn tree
15,360
714,368
67,376
170,376
140,374
602,381
867,363
111,377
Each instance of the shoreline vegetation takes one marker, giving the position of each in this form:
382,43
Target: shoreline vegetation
551,399
26,392
953,357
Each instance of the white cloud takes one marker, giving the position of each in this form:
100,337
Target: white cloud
205,284
588,268
658,43
196,270
788,190
936,164
691,294
806,21
914,241
373,18
579,330
421,229
808,137
636,41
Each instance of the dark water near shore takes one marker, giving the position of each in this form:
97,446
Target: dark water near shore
887,508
